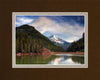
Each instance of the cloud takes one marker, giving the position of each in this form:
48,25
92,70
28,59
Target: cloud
71,39
23,20
70,32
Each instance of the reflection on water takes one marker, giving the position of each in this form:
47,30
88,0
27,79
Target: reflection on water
58,59
65,59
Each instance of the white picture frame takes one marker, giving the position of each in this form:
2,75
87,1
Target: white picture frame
14,65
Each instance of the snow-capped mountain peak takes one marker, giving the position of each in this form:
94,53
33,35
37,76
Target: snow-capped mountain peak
56,39
59,42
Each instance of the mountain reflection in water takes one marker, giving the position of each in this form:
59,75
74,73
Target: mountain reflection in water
56,59
68,59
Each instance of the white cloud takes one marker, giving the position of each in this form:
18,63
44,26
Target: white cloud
44,24
71,39
23,20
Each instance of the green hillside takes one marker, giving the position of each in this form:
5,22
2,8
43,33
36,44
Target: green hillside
77,45
28,39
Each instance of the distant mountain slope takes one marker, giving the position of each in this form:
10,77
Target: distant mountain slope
77,45
28,39
59,42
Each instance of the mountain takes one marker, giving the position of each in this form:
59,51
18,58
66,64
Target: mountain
59,42
77,45
28,39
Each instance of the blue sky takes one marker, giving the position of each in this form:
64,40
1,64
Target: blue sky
69,28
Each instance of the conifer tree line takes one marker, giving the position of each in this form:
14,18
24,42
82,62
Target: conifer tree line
77,45
24,44
29,40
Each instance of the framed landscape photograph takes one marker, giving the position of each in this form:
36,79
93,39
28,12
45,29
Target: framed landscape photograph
49,39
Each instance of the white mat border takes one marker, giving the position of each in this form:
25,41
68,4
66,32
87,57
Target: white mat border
14,65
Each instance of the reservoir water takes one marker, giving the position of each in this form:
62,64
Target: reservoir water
64,59
57,59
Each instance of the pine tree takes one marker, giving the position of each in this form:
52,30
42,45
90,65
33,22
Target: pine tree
25,48
17,45
28,47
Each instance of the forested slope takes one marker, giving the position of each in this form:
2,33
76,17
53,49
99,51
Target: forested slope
28,39
77,45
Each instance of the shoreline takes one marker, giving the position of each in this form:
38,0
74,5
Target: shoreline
32,54
68,52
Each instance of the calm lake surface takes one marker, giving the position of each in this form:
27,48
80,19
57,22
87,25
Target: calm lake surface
56,59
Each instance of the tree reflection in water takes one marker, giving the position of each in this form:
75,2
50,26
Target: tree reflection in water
50,59
78,59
